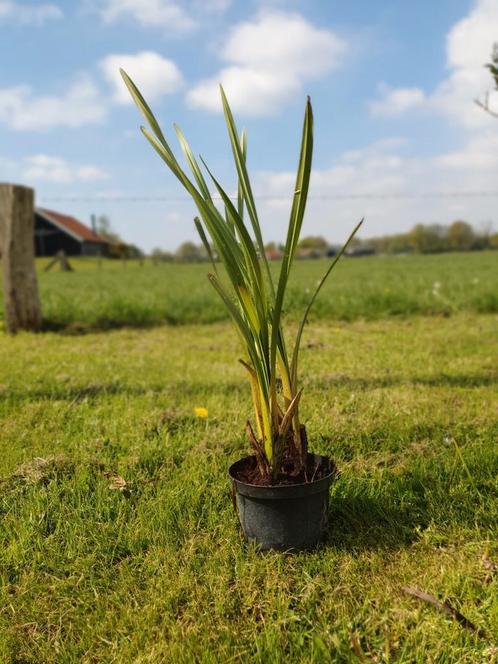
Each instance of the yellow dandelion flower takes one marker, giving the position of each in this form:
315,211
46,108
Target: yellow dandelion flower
201,412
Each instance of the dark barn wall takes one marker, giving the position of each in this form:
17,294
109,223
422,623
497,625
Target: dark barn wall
93,249
49,239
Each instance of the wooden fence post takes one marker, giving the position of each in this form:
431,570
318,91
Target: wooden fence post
20,286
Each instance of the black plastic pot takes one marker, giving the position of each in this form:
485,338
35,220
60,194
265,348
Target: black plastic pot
284,517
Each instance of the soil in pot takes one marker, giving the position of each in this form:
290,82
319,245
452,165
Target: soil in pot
247,471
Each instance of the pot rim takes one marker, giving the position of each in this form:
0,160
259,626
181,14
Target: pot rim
273,491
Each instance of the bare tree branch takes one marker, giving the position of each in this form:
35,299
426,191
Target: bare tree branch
485,105
493,68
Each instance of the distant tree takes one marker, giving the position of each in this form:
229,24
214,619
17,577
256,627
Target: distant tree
493,68
203,254
133,251
314,242
493,241
159,255
428,239
104,229
398,244
461,236
188,252
118,248
312,247
356,242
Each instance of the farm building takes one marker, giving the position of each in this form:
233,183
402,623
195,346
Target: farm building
59,232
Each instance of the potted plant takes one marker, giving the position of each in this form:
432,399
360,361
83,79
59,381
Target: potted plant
281,490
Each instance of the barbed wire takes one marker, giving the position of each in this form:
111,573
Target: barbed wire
316,197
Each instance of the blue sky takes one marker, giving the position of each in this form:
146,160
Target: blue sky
392,85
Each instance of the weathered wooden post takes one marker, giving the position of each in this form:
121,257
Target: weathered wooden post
61,258
20,286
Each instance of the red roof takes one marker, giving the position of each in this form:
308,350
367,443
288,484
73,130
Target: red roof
72,225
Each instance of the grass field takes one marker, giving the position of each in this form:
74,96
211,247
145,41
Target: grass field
369,288
153,569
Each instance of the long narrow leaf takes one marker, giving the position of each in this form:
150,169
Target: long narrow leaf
144,108
210,215
257,365
208,212
205,242
297,345
287,419
246,240
244,182
241,229
240,193
192,162
255,396
295,222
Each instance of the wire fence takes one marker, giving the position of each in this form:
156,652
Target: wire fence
318,197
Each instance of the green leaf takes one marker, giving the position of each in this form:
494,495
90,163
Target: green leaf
295,222
244,182
295,354
205,242
230,251
145,110
246,240
240,193
192,162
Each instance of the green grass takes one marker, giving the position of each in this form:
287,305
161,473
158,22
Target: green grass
369,288
158,572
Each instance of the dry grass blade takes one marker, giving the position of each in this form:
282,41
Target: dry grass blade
489,565
444,607
289,414
356,648
116,481
41,469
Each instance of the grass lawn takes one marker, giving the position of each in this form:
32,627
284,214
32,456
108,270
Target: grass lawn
371,288
151,567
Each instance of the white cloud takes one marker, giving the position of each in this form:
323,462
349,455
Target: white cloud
46,168
468,47
22,14
148,13
173,16
386,171
80,104
155,76
250,91
394,101
479,154
268,60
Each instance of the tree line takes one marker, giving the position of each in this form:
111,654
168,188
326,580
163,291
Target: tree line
431,239
421,239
